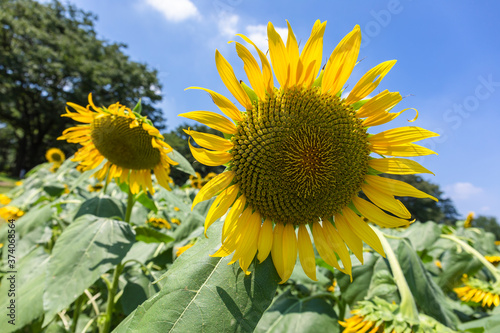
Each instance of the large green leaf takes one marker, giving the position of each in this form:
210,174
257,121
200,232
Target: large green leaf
149,235
428,296
205,294
29,284
414,233
290,314
102,206
88,248
486,325
139,288
35,217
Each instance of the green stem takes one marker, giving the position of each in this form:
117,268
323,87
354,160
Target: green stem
130,204
76,314
111,299
106,183
475,253
407,305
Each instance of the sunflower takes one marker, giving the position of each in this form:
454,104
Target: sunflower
175,221
494,259
95,188
480,292
196,180
10,212
55,155
158,222
298,155
468,220
130,143
4,200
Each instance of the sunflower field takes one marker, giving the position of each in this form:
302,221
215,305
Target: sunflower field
300,233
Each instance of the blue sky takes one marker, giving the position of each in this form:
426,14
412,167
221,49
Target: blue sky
448,56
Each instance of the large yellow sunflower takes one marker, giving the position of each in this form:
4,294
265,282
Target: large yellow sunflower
130,143
298,155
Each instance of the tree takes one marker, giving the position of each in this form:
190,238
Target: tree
178,140
50,55
488,223
425,210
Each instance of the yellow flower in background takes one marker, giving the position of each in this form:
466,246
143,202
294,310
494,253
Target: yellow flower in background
10,212
129,142
158,222
360,324
19,183
495,260
55,155
175,221
54,167
4,200
298,155
479,292
438,264
196,180
183,249
468,220
95,188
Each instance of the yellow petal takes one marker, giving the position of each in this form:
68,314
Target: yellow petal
379,104
213,120
306,253
266,67
386,201
225,105
312,54
361,229
289,251
279,55
369,82
210,141
323,248
385,117
265,241
233,216
293,56
338,246
221,205
277,249
396,187
253,71
214,186
248,247
376,215
210,158
400,136
405,150
397,166
245,223
341,62
233,85
349,237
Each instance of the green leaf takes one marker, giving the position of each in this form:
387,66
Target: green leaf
29,294
138,107
486,325
148,235
138,289
54,190
103,206
428,296
35,217
183,165
88,248
147,202
414,233
292,314
203,293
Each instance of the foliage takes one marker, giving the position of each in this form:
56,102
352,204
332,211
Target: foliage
49,55
73,242
488,223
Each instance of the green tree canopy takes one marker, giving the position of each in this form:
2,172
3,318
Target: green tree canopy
50,55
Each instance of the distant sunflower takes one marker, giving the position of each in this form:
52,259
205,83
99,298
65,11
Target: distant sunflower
95,188
130,143
10,212
55,155
468,220
196,180
495,259
4,200
480,292
158,222
298,155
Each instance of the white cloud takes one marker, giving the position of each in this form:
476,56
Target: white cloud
228,25
462,191
258,35
175,10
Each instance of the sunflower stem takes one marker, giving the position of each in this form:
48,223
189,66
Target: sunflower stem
130,204
475,253
407,305
76,313
111,299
